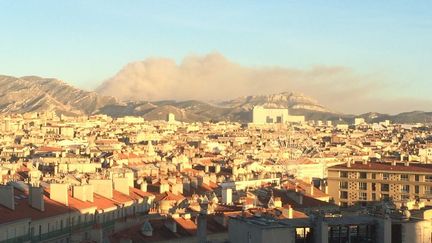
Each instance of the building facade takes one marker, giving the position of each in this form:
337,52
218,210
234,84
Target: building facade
362,182
261,115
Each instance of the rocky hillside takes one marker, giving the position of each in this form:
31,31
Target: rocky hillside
29,94
282,100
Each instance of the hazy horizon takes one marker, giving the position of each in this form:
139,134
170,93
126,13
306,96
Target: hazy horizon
352,57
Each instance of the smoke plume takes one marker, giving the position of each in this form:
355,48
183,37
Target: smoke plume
213,77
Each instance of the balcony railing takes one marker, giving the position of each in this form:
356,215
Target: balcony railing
57,233
20,239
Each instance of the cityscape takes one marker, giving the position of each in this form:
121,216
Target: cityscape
279,142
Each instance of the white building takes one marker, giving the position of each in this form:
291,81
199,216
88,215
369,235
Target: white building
261,115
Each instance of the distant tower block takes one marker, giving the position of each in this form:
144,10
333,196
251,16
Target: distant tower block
359,121
261,115
171,118
202,222
227,196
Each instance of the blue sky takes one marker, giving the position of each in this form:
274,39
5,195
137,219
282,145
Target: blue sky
85,42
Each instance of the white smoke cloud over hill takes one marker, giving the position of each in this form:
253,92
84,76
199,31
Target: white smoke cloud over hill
213,77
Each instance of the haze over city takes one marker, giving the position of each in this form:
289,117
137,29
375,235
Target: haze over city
215,121
373,55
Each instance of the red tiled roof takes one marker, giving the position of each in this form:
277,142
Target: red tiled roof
121,198
187,225
308,202
168,196
137,192
24,210
48,149
102,202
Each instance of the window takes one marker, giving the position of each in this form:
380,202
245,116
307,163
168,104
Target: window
373,187
404,177
344,174
363,186
428,178
385,187
374,197
417,189
363,196
362,175
385,176
385,196
405,188
278,119
343,194
428,190
417,178
343,184
373,176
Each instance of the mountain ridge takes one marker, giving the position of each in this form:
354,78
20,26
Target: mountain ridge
33,94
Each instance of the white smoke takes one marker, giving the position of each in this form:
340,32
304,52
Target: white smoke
213,77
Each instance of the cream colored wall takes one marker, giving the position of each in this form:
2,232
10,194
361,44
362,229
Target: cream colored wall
14,229
416,232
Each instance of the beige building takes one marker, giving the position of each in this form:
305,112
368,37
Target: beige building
395,227
361,182
261,115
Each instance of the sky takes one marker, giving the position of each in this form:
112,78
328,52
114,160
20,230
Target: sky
87,42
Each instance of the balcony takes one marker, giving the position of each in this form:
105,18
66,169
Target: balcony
20,239
66,232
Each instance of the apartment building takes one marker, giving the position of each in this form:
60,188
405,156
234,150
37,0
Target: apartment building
55,213
366,181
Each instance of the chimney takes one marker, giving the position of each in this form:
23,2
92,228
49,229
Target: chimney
130,176
407,163
36,198
324,187
177,188
277,202
202,228
121,185
227,196
56,167
205,179
300,198
217,168
186,184
147,229
102,187
194,182
310,189
7,198
143,186
59,193
164,187
295,196
78,192
83,193
289,212
171,225
89,190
